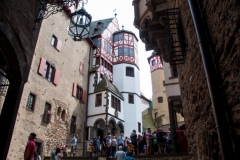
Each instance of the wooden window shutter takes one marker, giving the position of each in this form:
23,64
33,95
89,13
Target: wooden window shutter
74,93
42,66
59,45
81,68
84,96
56,76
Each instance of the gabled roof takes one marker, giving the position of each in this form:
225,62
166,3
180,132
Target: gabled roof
94,24
104,84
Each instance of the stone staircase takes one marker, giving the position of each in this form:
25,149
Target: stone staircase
176,156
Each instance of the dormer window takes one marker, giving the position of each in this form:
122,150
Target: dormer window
153,62
96,31
99,24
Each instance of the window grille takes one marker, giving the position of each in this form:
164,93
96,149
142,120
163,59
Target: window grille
177,43
4,83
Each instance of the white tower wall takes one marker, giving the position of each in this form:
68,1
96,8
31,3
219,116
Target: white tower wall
129,85
125,83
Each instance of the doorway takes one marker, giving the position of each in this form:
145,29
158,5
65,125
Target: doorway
100,133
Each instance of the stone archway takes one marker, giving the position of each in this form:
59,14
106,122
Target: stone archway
120,128
112,126
98,128
16,67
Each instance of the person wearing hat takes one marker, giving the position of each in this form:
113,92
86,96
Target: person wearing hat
149,139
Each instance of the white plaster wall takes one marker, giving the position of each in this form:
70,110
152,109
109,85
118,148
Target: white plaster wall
173,90
172,85
91,120
167,74
144,104
125,83
132,114
92,109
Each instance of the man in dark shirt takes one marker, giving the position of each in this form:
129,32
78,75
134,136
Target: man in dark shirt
104,145
161,140
133,138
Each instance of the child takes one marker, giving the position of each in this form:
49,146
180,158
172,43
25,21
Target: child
91,149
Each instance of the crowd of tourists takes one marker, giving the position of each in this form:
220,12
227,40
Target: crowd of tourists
149,142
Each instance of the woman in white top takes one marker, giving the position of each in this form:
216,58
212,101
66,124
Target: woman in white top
58,154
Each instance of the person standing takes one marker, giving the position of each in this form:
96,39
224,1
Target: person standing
74,144
161,140
149,140
113,146
133,138
104,146
168,141
120,140
58,155
30,148
129,156
53,154
120,155
98,146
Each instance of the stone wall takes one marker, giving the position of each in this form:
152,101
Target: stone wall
67,61
223,21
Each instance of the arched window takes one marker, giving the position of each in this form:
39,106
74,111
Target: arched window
130,71
63,115
59,112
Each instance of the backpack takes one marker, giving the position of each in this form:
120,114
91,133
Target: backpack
154,140
94,142
35,155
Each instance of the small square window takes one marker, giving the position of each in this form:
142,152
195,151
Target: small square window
129,72
79,93
31,102
153,62
47,113
139,127
156,115
49,72
98,100
81,68
131,98
54,41
160,99
73,126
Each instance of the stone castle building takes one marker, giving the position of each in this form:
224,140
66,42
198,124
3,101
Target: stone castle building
164,86
58,99
115,101
201,39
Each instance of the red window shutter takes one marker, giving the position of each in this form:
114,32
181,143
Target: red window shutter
84,96
81,68
56,76
41,66
59,45
74,93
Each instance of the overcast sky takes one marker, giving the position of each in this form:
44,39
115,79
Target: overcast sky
103,9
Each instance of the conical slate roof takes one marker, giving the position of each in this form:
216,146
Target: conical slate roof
104,84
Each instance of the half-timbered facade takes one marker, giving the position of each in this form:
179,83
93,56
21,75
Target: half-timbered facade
115,64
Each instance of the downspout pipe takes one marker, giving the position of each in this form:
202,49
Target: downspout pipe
219,111
86,114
